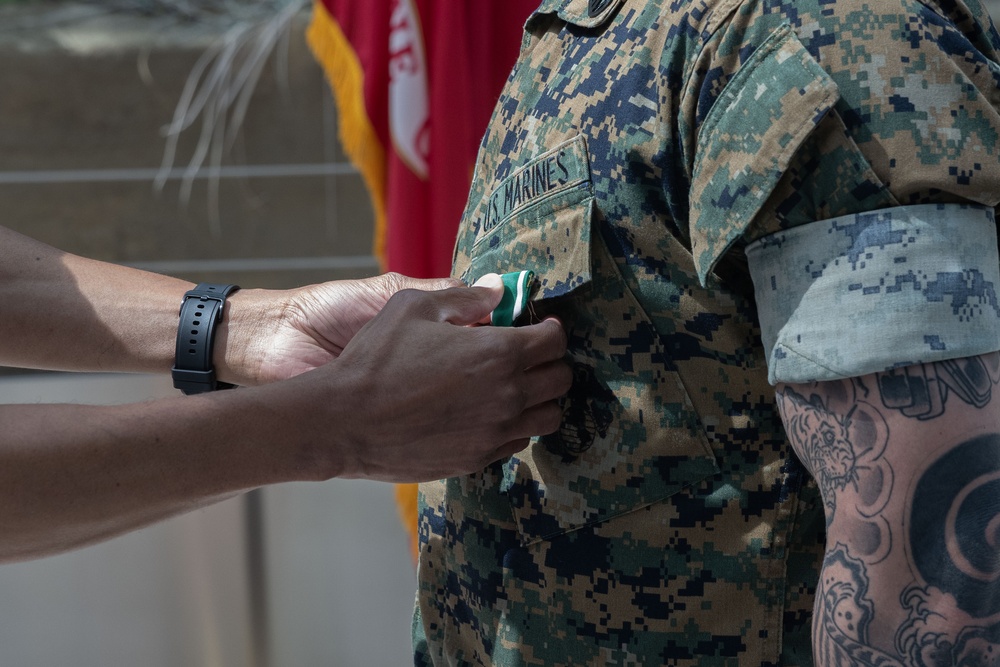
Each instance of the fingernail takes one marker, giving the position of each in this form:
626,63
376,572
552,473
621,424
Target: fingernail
491,280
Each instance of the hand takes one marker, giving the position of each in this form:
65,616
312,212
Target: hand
428,397
283,334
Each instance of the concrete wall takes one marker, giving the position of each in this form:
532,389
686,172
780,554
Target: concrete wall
87,126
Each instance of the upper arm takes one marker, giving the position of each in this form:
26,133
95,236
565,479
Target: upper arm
908,463
833,109
871,238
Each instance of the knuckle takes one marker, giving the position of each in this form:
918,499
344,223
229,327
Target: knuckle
408,299
555,335
565,377
511,401
548,418
394,280
506,347
504,353
562,338
507,406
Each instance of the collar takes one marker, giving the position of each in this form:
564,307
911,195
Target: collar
582,13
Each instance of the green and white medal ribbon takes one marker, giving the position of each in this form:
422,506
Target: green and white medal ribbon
516,291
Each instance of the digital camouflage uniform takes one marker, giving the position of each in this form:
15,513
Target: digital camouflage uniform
639,154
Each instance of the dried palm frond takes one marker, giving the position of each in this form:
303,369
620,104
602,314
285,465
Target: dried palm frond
218,92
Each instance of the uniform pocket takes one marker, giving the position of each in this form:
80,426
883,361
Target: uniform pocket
630,435
539,219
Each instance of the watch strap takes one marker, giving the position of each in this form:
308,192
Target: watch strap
201,311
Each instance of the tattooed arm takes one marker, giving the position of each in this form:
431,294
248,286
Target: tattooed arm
909,467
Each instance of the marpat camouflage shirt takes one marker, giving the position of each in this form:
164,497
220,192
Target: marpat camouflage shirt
708,191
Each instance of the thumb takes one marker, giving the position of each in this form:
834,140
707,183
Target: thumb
471,305
429,284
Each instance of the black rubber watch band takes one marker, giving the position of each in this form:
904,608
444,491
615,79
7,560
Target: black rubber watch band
201,311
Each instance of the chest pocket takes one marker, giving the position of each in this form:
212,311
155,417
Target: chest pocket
630,435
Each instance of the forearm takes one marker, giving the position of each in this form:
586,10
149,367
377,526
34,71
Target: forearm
358,380
65,312
908,464
71,475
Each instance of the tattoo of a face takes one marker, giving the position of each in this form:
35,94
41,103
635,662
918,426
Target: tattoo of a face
824,439
921,391
843,447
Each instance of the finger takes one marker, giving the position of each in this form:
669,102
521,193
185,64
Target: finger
491,281
541,419
390,283
465,305
540,343
509,449
432,284
547,382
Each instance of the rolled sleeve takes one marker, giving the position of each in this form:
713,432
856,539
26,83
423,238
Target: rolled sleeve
874,291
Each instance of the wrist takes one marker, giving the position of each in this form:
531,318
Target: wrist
302,422
242,338
201,313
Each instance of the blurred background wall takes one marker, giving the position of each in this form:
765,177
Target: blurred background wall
295,575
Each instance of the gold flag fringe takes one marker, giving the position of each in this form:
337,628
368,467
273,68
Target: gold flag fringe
406,504
335,54
343,70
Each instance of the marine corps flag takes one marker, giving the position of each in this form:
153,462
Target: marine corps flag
415,82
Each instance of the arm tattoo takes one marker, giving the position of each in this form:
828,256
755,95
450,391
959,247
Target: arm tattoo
841,452
946,541
922,391
844,613
954,543
952,608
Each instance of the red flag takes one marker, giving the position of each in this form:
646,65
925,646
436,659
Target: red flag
415,82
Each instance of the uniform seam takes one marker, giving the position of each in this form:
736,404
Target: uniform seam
791,349
725,10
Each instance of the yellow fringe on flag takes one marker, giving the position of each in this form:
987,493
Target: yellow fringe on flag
335,54
406,502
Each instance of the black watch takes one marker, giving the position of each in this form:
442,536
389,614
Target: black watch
201,311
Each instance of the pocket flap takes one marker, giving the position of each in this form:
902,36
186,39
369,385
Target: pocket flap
748,139
583,13
539,217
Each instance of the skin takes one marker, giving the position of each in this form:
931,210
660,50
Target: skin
908,463
374,379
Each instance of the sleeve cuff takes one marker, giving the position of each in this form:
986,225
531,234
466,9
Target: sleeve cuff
875,291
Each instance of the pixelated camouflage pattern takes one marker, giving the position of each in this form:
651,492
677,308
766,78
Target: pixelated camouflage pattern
667,521
919,284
